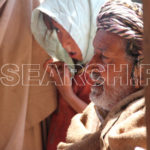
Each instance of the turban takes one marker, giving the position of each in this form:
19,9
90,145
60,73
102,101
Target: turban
123,18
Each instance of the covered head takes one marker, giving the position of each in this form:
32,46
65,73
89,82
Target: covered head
118,42
124,18
77,17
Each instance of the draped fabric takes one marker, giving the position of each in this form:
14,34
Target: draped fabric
77,17
23,103
123,128
124,18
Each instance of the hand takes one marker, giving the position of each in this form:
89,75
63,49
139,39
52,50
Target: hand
61,76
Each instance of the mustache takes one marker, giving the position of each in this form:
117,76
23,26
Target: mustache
97,79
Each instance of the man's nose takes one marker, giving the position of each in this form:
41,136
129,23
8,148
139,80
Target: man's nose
95,64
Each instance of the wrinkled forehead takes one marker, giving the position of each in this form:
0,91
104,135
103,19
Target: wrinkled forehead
106,39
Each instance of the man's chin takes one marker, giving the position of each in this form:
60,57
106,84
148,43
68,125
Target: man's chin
107,99
96,91
102,100
94,95
95,98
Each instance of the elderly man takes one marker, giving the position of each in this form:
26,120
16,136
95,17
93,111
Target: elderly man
119,106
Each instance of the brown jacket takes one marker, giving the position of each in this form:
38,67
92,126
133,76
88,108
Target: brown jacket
122,129
21,106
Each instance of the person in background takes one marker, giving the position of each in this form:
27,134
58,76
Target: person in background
70,26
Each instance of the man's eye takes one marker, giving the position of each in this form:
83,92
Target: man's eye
104,57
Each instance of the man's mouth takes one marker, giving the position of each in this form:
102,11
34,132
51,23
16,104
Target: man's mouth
98,84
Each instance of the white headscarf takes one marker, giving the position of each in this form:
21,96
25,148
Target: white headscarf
77,17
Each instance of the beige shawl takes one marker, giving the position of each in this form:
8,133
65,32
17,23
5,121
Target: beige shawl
21,106
122,129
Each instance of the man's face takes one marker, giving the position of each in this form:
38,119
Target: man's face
110,49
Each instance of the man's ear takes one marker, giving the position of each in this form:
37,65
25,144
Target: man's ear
137,77
138,74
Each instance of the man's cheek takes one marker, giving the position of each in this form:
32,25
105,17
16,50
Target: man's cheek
115,75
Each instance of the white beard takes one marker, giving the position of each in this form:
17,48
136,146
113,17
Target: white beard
110,97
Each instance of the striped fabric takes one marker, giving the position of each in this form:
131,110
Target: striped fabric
123,18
